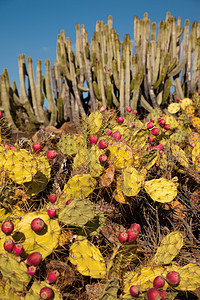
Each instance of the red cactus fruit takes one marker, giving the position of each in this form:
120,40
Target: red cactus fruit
166,127
162,122
155,131
51,154
46,293
178,99
120,120
152,120
32,270
18,249
109,132
68,201
93,139
135,112
34,259
150,125
116,136
159,146
36,147
51,211
52,198
151,139
163,294
173,278
7,227
12,147
153,294
136,227
132,124
1,114
103,144
132,235
123,237
103,108
129,109
134,290
103,158
37,224
53,276
8,245
158,282
161,115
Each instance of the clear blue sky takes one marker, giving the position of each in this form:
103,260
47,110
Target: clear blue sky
31,27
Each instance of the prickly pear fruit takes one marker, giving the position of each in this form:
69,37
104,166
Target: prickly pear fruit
120,120
36,147
150,125
162,122
37,224
163,294
8,245
53,276
34,259
103,108
134,290
116,136
151,139
158,282
103,144
7,227
135,112
46,293
109,132
103,158
153,294
93,139
32,270
123,237
166,126
12,147
18,249
173,278
136,227
51,211
155,131
129,109
159,146
52,198
51,154
68,201
132,235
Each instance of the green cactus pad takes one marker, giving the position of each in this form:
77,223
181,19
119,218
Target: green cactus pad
14,272
81,158
41,178
94,122
78,213
88,259
179,136
19,165
43,242
161,190
169,248
93,227
34,292
71,144
95,166
110,289
180,155
120,154
131,181
79,186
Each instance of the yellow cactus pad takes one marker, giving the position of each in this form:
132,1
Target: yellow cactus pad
2,154
194,138
171,121
7,293
94,121
196,157
131,181
81,158
19,165
190,110
150,158
45,241
186,102
88,259
79,186
180,155
34,291
120,154
143,279
161,190
169,248
196,122
173,108
118,194
190,277
95,166
139,138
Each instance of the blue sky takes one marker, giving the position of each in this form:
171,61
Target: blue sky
31,27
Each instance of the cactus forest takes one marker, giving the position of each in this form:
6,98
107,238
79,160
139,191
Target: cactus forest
99,192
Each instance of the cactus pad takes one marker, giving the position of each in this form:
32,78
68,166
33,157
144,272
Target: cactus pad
120,154
161,190
173,108
7,293
118,194
110,289
169,248
131,181
196,123
88,259
94,121
196,156
186,102
190,277
94,164
180,155
71,144
107,178
34,292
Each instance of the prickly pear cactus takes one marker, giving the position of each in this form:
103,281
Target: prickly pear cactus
88,259
14,273
179,155
95,166
173,108
150,158
131,181
71,144
110,289
34,292
81,158
169,248
118,194
7,292
19,165
196,157
190,277
161,190
44,241
120,155
94,122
